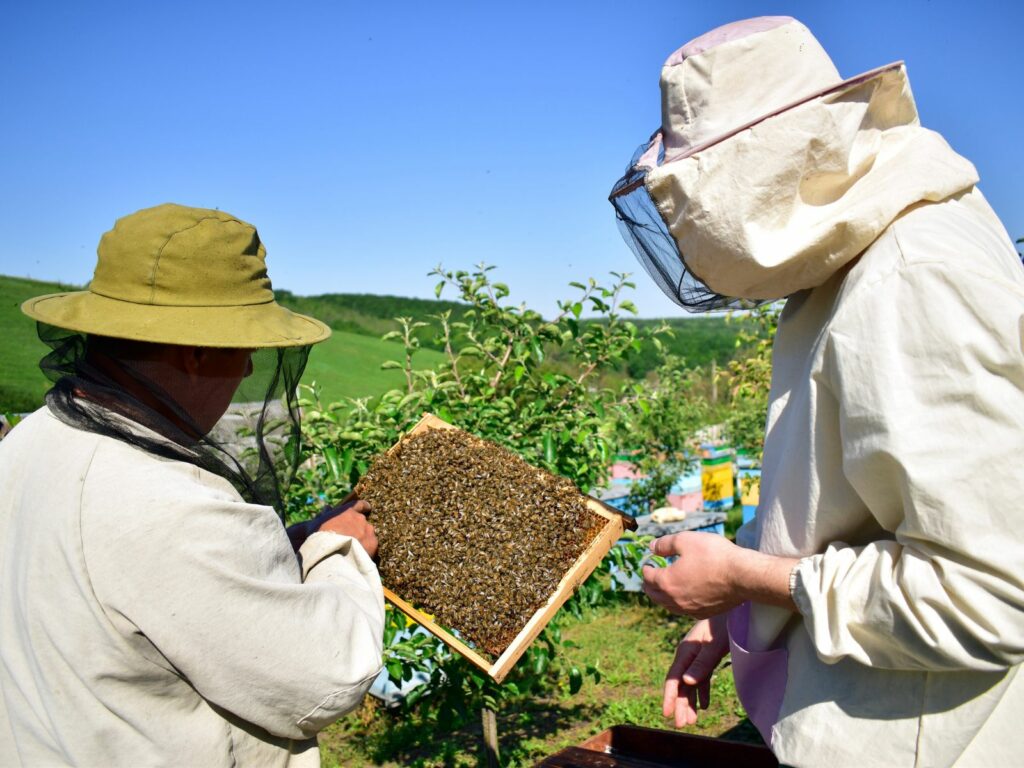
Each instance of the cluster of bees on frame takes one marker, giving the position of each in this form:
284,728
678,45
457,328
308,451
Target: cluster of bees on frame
472,534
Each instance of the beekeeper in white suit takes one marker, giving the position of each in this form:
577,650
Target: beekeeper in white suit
875,607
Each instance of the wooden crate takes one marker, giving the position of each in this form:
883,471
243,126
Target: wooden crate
631,746
614,526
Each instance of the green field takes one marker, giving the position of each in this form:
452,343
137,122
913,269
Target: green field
22,384
696,339
346,365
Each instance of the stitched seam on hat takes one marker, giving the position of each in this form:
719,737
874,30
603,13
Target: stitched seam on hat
156,264
180,306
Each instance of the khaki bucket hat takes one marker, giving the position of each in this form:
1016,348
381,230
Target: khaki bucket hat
178,275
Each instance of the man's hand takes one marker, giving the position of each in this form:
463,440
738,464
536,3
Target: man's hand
688,683
700,582
352,522
712,575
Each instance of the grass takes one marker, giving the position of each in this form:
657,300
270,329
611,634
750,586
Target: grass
22,384
346,365
631,642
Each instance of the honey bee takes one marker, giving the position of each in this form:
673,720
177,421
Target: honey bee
472,534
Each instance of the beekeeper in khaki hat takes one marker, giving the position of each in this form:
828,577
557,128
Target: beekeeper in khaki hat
875,607
153,609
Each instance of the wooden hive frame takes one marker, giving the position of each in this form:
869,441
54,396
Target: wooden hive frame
585,564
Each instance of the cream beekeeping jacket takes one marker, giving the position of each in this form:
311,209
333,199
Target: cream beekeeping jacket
149,616
894,456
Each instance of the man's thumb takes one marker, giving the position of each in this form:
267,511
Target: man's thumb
701,667
664,545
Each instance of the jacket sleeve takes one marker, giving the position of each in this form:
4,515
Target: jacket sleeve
928,371
214,585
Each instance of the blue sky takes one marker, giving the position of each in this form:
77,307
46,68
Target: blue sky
369,142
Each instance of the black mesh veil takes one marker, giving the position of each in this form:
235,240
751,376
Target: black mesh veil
255,445
645,232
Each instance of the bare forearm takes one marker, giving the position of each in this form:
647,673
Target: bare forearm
712,575
763,578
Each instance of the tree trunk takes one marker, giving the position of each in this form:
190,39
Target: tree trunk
490,723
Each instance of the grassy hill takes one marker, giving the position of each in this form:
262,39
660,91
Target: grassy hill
366,313
697,340
346,365
22,384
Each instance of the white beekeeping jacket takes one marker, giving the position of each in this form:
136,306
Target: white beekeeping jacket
149,616
895,434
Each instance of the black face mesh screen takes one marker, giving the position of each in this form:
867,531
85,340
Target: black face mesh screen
255,446
645,232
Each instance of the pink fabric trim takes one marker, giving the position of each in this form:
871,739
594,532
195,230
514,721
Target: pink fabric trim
845,84
724,34
760,675
649,159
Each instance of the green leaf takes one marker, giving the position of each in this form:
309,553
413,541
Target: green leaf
577,309
347,458
540,663
549,448
415,695
628,306
333,464
518,373
438,288
408,399
390,365
575,680
538,351
394,668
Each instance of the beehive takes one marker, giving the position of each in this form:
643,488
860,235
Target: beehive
474,539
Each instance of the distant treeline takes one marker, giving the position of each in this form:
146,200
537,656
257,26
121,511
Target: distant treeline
697,340
364,312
